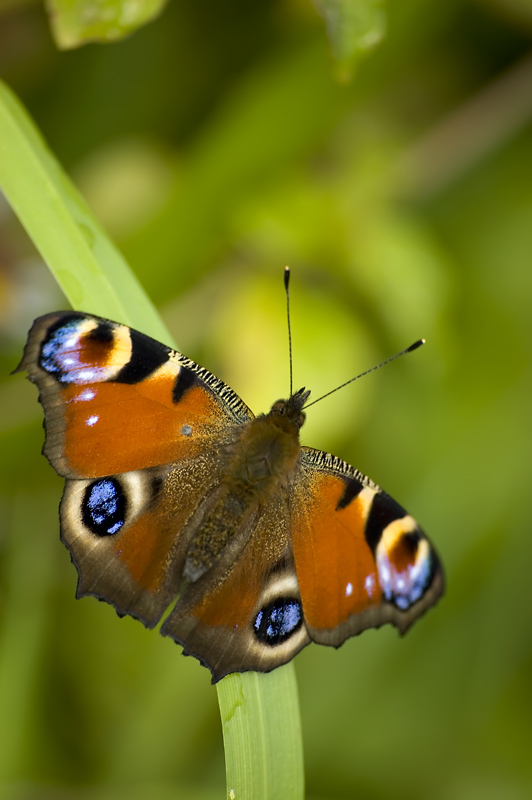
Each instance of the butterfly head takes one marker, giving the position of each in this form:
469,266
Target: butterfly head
292,409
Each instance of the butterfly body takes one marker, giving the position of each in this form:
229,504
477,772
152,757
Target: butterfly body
175,490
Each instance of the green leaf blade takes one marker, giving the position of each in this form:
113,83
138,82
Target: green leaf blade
88,267
262,735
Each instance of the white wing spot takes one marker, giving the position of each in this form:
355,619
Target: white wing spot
186,430
86,374
369,584
384,573
92,420
349,589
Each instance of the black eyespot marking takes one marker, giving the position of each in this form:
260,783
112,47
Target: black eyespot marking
104,507
383,511
146,356
278,621
352,490
184,381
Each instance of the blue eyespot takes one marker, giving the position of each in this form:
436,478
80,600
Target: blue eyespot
278,621
64,355
409,592
405,586
58,350
104,507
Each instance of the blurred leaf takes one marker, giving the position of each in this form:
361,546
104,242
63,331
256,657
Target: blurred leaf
76,22
232,155
518,11
353,27
25,620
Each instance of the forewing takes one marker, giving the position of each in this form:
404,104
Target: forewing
138,431
116,400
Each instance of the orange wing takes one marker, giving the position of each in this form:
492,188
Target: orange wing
361,560
128,534
246,614
116,400
136,428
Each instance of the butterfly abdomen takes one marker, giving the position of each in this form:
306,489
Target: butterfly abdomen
230,515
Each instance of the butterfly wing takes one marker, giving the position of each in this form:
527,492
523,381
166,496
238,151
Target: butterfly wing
332,556
116,400
136,428
247,614
361,560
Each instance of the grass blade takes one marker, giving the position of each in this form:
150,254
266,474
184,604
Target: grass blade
87,266
262,735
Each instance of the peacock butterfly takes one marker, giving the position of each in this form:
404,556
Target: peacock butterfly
174,489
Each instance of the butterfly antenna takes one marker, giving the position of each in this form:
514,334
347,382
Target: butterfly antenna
392,358
286,282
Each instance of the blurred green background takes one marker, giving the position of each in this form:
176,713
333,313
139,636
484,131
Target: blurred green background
217,145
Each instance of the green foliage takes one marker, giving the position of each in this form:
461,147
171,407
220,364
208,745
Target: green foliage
353,26
75,22
215,147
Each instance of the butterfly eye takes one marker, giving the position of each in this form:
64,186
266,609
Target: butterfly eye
278,407
278,621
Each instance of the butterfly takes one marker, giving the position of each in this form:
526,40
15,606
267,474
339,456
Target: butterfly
177,495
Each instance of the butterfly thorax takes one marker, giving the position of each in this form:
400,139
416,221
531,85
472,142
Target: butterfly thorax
260,465
267,452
